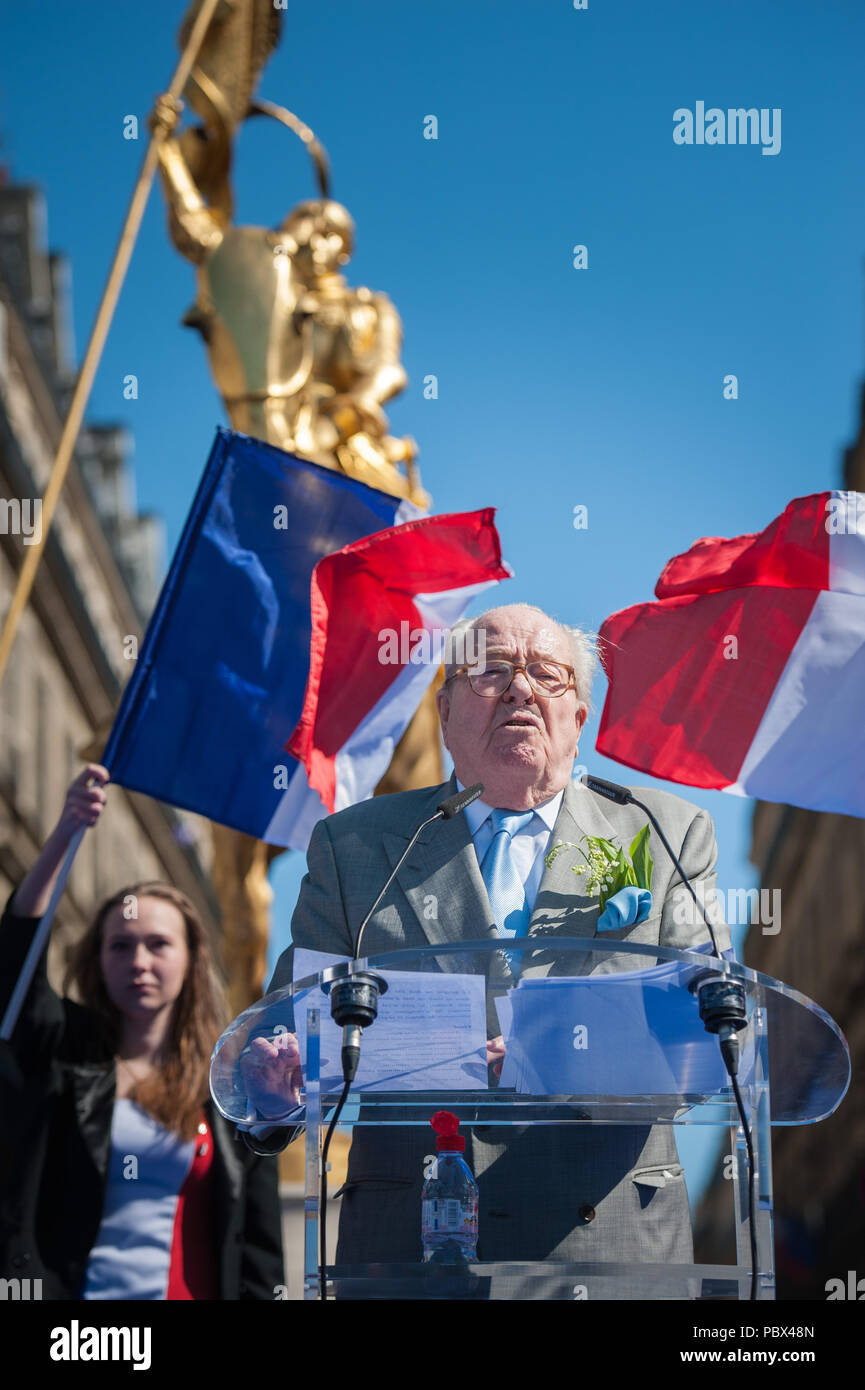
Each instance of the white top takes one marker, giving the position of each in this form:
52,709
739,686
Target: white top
149,1165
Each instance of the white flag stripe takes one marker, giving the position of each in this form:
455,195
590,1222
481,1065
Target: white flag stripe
362,761
847,543
809,749
297,811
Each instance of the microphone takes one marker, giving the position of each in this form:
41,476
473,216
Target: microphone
460,800
447,809
354,1006
611,790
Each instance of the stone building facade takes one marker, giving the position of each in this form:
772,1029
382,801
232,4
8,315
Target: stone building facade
94,589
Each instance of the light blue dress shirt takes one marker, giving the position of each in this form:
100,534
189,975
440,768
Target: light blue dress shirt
528,846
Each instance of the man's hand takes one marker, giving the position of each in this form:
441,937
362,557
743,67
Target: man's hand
271,1069
496,1054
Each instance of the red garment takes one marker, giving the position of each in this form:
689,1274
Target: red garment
193,1272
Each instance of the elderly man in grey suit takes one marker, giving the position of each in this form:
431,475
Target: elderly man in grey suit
574,1193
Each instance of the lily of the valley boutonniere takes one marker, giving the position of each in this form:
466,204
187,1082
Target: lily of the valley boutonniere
607,867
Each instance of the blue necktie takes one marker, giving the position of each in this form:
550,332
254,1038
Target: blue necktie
504,886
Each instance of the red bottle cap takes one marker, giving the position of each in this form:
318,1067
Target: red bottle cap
446,1125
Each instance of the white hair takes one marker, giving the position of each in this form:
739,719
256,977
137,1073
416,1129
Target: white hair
583,645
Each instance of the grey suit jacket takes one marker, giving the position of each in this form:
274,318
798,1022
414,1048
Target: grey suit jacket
584,1192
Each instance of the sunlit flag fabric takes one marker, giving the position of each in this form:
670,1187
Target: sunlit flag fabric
748,675
381,609
219,682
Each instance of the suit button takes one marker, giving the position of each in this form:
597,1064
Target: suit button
587,1213
21,1260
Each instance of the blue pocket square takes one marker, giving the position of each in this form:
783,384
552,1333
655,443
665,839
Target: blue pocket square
625,909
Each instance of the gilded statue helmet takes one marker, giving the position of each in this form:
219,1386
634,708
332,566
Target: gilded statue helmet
322,234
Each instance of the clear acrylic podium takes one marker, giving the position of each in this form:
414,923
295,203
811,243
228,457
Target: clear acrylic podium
597,1032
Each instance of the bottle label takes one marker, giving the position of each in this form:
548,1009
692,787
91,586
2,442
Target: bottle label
449,1217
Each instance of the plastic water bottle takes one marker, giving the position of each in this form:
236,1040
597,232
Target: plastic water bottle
449,1221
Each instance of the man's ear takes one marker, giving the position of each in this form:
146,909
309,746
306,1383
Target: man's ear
581,716
443,705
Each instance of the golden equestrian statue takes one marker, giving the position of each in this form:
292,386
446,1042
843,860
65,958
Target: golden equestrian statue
301,359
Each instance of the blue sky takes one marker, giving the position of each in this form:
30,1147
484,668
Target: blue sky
557,386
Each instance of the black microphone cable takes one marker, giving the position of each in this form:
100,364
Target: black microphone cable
721,1002
322,1218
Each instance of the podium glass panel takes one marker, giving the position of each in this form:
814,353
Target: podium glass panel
595,1034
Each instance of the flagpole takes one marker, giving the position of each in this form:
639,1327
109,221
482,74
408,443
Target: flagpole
40,940
105,314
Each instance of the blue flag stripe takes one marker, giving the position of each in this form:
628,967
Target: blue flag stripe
220,679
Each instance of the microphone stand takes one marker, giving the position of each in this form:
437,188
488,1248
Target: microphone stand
721,1001
354,1005
447,809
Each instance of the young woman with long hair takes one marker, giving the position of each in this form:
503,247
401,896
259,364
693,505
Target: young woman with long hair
127,1183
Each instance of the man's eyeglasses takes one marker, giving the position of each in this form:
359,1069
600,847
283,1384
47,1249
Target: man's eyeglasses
548,678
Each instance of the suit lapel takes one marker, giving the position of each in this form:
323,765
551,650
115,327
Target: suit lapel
441,878
562,905
442,882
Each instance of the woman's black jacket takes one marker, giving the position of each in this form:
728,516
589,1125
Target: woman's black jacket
57,1090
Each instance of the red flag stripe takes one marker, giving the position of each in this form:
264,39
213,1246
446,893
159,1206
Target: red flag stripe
680,704
792,553
361,590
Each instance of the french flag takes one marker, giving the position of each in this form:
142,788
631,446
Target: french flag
219,681
748,674
224,673
381,611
